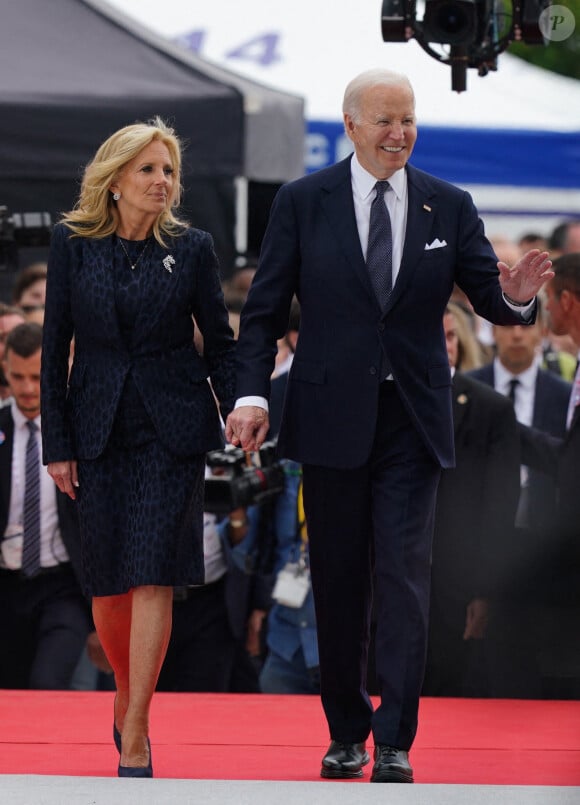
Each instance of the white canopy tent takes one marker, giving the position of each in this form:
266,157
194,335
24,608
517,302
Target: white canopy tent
513,139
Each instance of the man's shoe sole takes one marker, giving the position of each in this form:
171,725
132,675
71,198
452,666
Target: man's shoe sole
339,774
391,776
344,774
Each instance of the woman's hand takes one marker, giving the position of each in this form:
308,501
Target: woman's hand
64,474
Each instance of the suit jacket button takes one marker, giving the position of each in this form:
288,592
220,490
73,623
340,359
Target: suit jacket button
381,327
372,370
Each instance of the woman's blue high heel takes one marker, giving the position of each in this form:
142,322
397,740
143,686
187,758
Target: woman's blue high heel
137,771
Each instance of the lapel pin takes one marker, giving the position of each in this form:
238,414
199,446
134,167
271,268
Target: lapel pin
427,207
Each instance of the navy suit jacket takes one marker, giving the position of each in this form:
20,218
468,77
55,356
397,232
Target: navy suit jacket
476,501
312,248
549,415
560,458
165,365
67,514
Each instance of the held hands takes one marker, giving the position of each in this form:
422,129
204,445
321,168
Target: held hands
65,476
522,282
247,427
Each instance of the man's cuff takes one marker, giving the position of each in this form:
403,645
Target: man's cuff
258,402
524,311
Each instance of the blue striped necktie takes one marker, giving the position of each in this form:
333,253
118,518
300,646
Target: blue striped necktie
380,246
31,517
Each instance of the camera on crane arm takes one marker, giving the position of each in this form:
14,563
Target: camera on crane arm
242,479
476,31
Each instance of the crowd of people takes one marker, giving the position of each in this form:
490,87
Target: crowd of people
417,541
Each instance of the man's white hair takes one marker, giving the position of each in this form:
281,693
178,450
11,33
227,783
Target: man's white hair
371,78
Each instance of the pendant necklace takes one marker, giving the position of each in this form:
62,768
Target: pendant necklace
138,260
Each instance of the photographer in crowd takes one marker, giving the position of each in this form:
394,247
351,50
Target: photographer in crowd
212,643
291,664
270,541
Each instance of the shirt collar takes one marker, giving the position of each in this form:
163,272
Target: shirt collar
364,182
526,378
20,420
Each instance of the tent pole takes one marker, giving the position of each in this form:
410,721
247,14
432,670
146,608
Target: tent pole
241,229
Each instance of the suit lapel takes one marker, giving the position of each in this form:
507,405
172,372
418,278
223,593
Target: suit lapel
539,404
338,204
6,444
461,401
421,211
162,279
161,284
99,256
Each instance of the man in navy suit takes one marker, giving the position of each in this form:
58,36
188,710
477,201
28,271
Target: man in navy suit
476,506
368,403
45,617
517,632
560,459
540,399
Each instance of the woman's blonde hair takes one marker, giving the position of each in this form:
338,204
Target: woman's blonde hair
469,354
95,213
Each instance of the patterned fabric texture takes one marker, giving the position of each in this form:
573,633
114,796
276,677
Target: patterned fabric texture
139,413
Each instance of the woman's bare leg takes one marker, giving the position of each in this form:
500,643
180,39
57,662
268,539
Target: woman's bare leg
112,617
134,630
150,633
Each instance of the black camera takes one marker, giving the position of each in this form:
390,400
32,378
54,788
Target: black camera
21,234
25,229
241,482
471,33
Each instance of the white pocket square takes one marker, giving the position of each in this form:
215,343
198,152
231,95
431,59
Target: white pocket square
437,244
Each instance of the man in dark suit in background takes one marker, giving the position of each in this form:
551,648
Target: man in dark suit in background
560,458
476,507
540,399
368,403
207,649
45,619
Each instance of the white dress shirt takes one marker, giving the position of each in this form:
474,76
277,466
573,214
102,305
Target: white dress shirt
525,391
525,395
363,193
363,184
52,549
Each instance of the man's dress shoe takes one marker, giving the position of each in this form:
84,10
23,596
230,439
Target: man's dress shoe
344,760
391,766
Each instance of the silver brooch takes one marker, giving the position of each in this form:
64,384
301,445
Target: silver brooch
168,262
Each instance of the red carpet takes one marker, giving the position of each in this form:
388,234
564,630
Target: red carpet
239,737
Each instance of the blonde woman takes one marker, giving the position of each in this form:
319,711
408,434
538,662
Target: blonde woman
126,433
